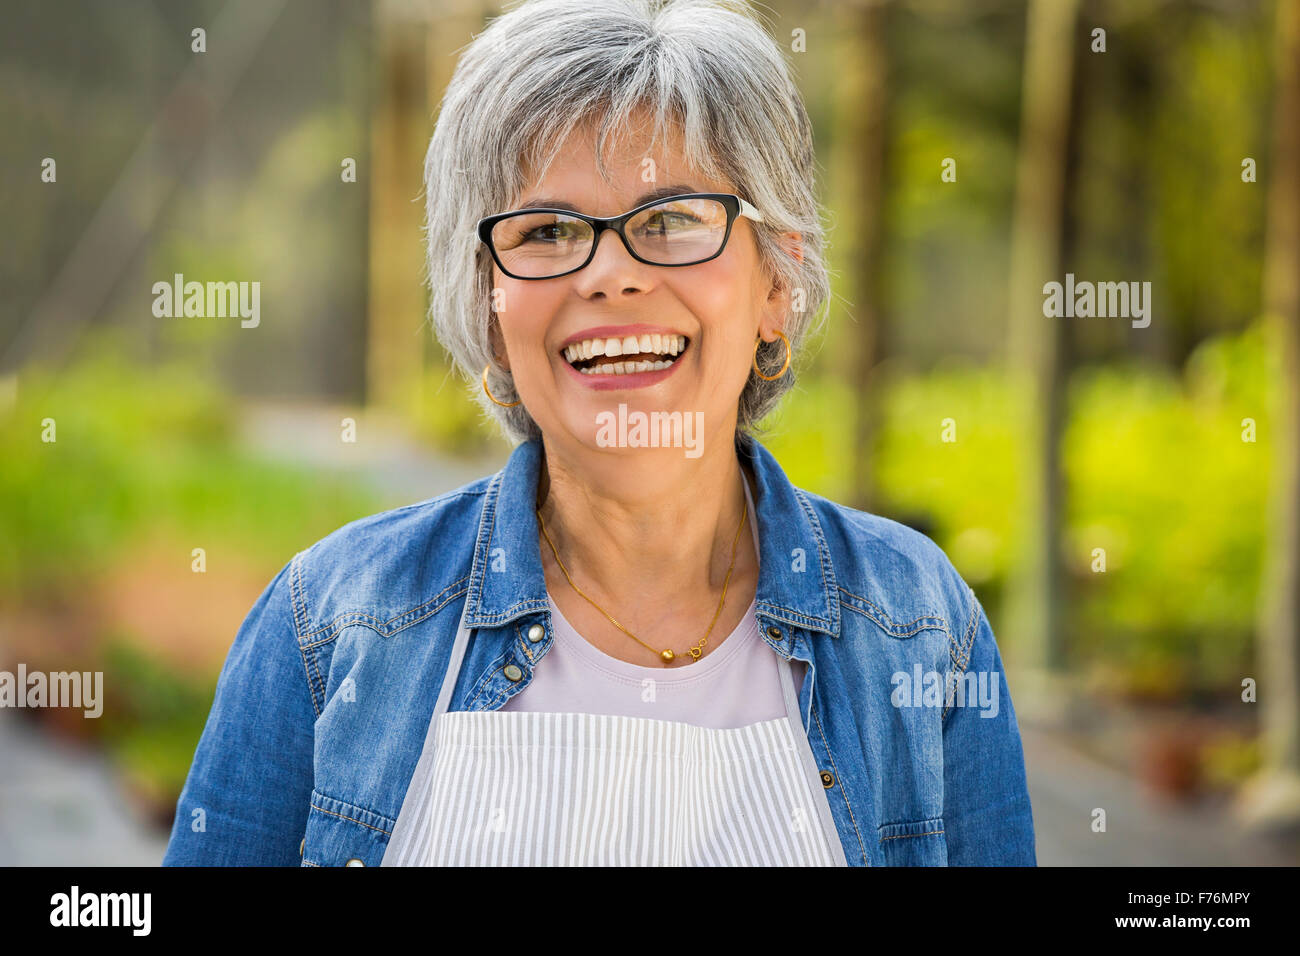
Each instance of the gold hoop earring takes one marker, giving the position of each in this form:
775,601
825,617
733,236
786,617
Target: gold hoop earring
493,397
758,371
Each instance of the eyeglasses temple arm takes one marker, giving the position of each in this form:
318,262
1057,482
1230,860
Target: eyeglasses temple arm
747,210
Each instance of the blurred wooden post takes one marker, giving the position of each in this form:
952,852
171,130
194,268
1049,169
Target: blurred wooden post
1034,353
451,25
399,136
861,96
1272,798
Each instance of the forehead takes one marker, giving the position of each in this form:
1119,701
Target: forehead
639,165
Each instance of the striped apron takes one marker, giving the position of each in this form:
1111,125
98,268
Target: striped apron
527,788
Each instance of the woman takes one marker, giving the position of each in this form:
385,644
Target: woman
638,643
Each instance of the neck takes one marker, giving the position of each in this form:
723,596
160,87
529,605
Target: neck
648,534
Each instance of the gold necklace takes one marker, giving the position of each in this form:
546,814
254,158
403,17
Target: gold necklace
697,651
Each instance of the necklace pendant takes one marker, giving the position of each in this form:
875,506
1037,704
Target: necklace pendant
667,655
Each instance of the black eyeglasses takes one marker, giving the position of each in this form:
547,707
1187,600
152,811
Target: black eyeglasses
677,231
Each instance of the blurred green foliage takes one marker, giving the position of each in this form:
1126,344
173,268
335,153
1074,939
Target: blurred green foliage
142,451
1157,474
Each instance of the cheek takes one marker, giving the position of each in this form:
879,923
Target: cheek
732,281
722,300
525,309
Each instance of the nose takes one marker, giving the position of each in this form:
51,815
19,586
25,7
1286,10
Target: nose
612,271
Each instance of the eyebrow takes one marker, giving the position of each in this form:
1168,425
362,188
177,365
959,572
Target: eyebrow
663,192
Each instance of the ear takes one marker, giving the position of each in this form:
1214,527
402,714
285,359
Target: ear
792,245
778,298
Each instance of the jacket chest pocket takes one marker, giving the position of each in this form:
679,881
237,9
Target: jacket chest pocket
343,834
918,843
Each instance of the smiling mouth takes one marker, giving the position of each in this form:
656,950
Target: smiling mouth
626,355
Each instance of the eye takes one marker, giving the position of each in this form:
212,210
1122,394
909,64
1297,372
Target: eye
554,232
667,220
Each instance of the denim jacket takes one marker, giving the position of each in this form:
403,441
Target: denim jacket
323,703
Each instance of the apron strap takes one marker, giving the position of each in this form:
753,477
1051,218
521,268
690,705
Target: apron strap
408,843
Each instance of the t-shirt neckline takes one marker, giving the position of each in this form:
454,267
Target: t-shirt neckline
740,637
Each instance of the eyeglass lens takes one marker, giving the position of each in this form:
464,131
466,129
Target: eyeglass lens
673,232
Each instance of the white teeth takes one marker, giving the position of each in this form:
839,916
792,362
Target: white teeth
626,368
663,347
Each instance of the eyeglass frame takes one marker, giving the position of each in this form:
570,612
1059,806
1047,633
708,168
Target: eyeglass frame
733,204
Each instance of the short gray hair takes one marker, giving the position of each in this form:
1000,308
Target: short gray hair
541,69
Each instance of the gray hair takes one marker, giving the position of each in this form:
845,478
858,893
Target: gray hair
546,66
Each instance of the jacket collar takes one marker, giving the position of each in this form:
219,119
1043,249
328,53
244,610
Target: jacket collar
506,580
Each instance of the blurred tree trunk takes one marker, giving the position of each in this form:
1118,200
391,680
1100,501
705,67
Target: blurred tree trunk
861,114
399,135
1272,798
1035,353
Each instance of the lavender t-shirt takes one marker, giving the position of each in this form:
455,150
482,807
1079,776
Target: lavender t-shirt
733,685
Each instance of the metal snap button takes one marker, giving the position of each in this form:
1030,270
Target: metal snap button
513,672
354,862
536,632
828,779
774,632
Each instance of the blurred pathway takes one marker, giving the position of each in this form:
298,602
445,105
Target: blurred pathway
62,805
382,454
1064,787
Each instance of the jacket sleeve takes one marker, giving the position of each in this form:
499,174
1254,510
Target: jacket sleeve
246,798
987,816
